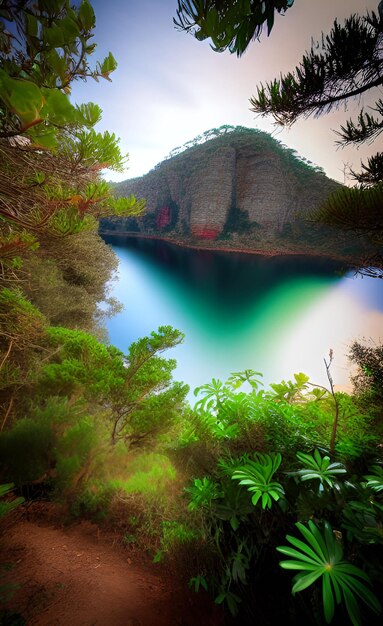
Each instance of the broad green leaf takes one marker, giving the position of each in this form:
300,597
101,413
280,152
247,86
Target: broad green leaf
300,565
57,109
43,136
307,555
256,497
328,598
32,25
54,37
69,28
22,97
220,598
351,606
57,63
312,540
108,65
265,501
306,580
86,15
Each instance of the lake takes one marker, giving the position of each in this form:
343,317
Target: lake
275,315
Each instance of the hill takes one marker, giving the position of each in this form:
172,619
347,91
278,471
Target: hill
233,185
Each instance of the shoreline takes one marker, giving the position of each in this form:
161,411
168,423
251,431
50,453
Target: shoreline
200,246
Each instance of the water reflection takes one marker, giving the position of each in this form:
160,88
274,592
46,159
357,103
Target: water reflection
277,315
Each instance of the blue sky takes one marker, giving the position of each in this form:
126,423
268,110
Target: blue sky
168,87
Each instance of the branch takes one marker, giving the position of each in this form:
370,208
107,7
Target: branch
349,63
367,127
7,413
336,417
7,353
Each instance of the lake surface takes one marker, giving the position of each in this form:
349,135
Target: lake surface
275,315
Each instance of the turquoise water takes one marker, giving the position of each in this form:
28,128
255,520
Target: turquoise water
275,315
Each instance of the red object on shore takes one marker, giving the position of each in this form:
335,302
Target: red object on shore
163,217
204,232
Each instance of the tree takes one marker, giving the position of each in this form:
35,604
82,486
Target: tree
346,64
70,279
22,332
368,381
231,24
51,193
133,392
44,47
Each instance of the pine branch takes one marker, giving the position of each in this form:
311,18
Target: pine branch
357,210
367,127
347,63
372,173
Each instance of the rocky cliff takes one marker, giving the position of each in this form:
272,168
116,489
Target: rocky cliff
232,187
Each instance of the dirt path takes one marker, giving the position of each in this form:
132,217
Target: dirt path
75,577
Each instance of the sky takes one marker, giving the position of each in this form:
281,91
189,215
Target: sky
169,87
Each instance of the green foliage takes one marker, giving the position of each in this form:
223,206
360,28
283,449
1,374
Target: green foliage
149,474
291,391
363,519
69,281
202,492
95,151
79,453
344,65
52,51
231,25
231,599
368,382
26,451
196,582
236,379
135,392
257,476
6,506
232,444
50,187
57,445
213,392
174,535
355,209
321,556
375,478
319,468
319,83
19,319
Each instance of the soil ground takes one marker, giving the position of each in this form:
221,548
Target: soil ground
77,576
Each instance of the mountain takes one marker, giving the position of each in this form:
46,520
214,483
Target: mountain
232,185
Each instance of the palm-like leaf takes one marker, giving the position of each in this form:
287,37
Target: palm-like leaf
257,476
236,379
375,479
321,556
318,468
214,393
202,492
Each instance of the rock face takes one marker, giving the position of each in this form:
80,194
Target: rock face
233,186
